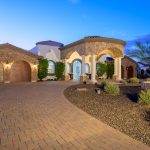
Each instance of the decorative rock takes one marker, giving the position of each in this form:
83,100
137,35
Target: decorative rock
82,89
145,85
98,90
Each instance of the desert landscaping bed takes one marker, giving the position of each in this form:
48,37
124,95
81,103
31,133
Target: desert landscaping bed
121,112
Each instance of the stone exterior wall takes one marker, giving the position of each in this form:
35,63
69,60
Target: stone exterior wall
10,54
97,46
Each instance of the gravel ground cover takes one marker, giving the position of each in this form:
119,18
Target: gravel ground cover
120,112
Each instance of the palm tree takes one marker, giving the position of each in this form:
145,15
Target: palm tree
141,52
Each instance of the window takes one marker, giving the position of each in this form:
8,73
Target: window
51,67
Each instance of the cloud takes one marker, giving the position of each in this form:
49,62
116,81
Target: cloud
74,1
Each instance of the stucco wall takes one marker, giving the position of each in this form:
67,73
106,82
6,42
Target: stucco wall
49,52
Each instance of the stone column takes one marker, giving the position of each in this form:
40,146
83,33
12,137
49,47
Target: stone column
115,76
83,76
93,68
34,72
66,72
119,68
7,71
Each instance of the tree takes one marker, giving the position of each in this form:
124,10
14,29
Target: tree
110,70
100,68
42,69
60,68
141,52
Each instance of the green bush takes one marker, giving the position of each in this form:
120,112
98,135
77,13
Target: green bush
110,70
60,68
134,80
100,68
144,97
42,69
103,83
112,89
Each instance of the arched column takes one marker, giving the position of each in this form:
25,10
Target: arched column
66,71
83,76
117,68
7,71
93,68
34,72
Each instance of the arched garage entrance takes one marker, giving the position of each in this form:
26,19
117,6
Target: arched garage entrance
129,72
1,73
20,72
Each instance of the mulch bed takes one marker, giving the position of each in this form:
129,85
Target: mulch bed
120,112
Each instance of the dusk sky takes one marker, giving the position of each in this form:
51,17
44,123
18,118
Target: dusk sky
25,22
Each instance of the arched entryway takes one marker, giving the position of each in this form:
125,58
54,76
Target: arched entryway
129,72
20,72
77,69
1,73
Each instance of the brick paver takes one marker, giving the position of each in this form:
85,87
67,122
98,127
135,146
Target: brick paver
37,116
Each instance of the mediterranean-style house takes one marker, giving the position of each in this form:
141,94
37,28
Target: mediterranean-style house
80,58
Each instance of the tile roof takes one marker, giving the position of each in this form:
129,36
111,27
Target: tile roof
51,43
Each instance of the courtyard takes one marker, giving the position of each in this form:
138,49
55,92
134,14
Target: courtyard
38,116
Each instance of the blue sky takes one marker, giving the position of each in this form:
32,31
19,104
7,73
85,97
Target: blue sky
25,22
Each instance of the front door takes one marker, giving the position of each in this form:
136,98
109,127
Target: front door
76,70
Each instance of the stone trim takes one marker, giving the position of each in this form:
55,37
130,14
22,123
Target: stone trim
94,39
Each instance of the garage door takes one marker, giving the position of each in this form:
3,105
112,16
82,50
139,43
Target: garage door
20,72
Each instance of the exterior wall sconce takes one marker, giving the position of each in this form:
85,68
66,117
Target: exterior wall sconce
7,65
35,65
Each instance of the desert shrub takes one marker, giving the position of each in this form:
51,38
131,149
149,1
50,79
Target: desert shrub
60,68
110,70
103,83
124,82
112,89
144,97
134,80
42,69
100,68
148,79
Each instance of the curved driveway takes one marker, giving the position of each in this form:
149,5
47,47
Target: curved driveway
38,116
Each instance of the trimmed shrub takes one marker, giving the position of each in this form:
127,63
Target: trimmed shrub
144,97
42,69
110,71
112,89
101,68
134,80
60,68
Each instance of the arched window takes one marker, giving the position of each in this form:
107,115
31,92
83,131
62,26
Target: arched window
87,68
51,67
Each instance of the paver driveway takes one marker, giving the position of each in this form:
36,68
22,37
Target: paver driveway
37,116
